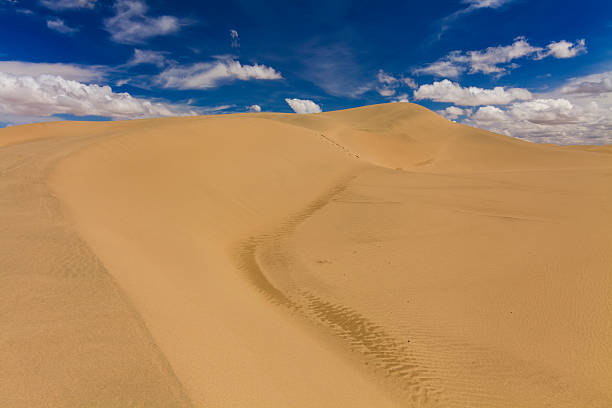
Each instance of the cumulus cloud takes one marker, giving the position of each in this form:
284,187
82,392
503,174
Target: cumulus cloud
578,112
235,39
59,5
148,57
549,120
595,84
68,71
488,114
57,24
453,112
303,105
447,91
545,111
132,25
563,49
47,95
498,60
489,60
206,75
254,108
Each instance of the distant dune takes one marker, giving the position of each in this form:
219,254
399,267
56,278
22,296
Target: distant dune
372,257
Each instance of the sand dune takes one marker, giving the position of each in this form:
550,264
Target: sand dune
378,256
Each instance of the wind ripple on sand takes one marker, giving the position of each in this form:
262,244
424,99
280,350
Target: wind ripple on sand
384,354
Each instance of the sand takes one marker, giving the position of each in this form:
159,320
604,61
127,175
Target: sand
378,256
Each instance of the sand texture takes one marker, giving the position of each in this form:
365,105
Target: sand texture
374,257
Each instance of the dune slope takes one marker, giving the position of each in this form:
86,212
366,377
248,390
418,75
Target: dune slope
378,256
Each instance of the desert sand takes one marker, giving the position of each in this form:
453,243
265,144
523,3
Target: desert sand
381,256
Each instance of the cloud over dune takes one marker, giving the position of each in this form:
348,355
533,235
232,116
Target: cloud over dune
447,91
548,120
568,115
303,105
454,112
390,83
579,111
46,95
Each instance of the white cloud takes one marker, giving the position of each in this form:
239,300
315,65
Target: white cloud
579,112
47,95
148,57
453,112
489,60
254,108
131,25
476,4
67,71
206,75
390,83
385,78
595,84
235,39
549,120
447,91
410,82
486,114
386,91
545,111
57,24
442,68
473,5
303,105
498,60
564,49
59,5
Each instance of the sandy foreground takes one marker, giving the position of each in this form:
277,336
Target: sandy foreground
374,257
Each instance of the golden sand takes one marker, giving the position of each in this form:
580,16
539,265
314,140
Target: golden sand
378,256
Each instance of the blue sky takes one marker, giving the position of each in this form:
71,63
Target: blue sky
539,70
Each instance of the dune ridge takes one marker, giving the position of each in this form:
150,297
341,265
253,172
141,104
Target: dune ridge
378,256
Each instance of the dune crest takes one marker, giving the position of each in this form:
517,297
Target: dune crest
377,256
